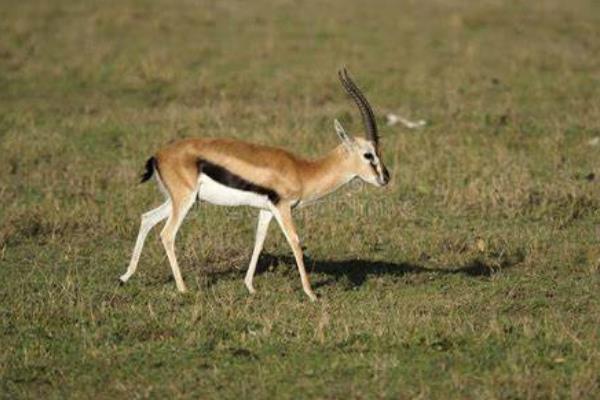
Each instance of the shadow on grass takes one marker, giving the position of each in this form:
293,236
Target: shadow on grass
356,271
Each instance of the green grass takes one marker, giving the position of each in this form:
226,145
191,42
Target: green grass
476,274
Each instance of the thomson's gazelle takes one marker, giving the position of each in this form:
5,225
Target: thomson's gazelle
231,172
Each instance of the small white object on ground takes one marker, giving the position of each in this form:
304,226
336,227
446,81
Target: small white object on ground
594,141
393,119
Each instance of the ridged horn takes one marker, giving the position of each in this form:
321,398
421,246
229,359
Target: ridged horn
366,111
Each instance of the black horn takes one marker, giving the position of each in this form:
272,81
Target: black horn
366,111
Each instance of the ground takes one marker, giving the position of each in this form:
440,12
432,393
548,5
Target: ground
475,274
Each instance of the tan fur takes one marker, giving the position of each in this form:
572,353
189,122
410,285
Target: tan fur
292,177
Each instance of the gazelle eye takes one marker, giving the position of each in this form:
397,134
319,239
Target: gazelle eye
368,156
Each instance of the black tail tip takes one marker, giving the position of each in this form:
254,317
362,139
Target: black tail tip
150,165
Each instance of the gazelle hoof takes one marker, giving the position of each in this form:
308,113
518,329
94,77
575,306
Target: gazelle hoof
250,288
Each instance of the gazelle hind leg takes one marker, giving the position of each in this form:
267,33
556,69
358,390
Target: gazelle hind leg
181,206
149,220
264,218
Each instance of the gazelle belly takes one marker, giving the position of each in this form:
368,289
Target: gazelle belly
216,193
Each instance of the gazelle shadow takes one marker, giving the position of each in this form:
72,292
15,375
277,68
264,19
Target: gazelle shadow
357,271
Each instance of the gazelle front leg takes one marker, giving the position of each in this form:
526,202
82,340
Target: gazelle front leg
264,218
283,214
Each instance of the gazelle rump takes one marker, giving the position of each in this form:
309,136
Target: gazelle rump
232,172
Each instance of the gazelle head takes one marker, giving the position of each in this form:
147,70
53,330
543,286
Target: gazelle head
363,154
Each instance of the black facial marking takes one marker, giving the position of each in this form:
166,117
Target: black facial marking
374,168
371,158
229,179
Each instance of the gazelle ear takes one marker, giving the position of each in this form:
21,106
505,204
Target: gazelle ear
347,141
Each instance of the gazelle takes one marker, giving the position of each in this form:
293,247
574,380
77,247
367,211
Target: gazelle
231,172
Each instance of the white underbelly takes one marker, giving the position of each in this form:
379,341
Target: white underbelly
216,193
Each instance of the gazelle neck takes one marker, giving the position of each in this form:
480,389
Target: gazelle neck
326,174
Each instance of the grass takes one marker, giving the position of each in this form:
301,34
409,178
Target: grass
475,275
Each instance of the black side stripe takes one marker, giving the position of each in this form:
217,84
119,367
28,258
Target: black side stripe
224,177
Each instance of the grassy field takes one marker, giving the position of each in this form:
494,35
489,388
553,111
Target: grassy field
476,274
